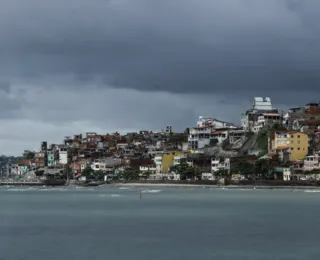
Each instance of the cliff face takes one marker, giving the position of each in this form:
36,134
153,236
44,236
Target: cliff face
252,144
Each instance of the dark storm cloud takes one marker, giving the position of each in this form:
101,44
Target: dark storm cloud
241,47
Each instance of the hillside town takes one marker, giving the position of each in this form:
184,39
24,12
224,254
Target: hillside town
268,144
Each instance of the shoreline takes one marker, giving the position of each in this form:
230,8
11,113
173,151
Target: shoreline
172,185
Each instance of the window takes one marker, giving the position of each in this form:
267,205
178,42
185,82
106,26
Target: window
298,136
292,136
292,148
298,148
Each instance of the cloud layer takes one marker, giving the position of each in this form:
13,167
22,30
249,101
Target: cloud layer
145,64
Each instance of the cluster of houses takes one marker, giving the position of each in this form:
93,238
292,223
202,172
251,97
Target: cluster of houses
292,138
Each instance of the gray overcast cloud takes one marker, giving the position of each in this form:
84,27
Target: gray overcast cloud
70,66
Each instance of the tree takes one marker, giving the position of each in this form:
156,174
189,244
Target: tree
244,167
314,173
222,173
278,127
67,172
185,171
88,172
130,173
28,155
99,175
147,174
39,173
263,168
187,131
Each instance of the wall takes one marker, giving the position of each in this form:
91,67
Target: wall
23,170
51,159
168,159
297,142
63,156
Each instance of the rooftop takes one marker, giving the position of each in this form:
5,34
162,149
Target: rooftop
218,132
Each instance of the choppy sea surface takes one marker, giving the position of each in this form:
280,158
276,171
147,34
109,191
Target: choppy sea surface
167,223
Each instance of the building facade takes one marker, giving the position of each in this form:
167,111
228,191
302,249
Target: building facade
260,109
220,163
295,144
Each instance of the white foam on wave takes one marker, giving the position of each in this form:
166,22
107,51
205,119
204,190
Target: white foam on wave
19,190
115,195
151,191
313,191
123,188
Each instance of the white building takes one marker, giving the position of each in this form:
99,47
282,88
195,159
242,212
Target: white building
213,123
259,107
148,168
202,135
286,174
311,162
265,120
199,137
63,156
158,162
220,135
179,158
219,163
106,164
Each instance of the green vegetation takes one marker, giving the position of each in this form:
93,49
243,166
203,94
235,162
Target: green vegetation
130,173
88,172
67,172
262,143
263,168
223,173
278,127
313,173
28,155
178,137
186,171
39,173
243,167
249,134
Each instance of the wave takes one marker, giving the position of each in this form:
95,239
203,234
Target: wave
115,195
151,191
313,191
19,190
123,188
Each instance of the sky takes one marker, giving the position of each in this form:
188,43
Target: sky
76,66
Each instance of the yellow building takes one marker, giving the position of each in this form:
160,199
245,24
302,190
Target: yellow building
295,143
168,159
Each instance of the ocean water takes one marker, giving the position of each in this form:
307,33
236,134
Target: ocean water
167,223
